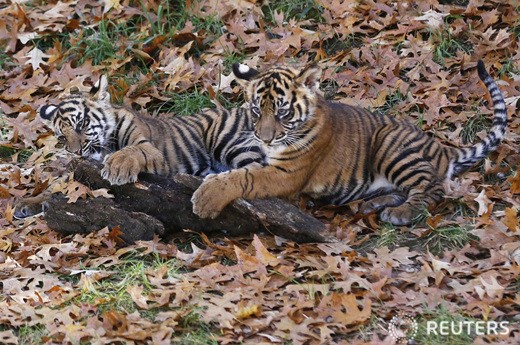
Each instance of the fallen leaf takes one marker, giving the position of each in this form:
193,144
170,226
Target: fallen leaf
36,58
483,202
511,219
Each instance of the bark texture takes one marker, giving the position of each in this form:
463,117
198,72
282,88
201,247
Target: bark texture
157,205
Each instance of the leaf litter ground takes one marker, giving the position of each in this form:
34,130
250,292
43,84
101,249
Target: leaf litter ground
413,60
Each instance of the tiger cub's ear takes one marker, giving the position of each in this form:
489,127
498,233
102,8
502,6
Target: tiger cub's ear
100,90
47,112
243,72
310,77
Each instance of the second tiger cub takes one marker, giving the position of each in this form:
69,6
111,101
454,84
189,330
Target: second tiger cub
338,153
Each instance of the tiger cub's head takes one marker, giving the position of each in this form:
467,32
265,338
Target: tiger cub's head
84,121
281,101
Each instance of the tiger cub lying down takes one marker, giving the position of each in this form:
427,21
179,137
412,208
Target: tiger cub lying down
129,143
338,153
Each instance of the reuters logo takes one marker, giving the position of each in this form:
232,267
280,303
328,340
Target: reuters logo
402,328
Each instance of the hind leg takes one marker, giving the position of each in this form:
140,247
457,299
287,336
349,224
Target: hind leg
425,195
403,156
423,189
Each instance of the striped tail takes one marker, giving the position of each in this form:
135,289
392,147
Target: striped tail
465,158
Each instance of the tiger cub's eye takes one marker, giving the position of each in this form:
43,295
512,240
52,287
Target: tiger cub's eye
281,113
255,111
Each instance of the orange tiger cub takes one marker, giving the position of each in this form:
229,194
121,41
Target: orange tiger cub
338,153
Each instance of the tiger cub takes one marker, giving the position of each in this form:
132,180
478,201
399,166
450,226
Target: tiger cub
338,153
129,143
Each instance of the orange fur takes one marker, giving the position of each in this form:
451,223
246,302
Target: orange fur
339,153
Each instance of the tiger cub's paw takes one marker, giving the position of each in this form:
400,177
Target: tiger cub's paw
400,215
211,197
121,168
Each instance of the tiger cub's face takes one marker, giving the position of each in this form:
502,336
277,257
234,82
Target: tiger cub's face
281,100
83,121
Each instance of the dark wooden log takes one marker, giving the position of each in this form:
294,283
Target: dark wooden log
169,201
87,215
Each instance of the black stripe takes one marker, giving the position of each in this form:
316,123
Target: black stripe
404,167
414,172
401,156
127,134
226,139
117,132
280,168
185,156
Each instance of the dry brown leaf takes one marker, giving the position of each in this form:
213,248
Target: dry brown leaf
263,255
511,219
483,202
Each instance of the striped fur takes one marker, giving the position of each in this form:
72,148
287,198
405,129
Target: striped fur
338,153
130,143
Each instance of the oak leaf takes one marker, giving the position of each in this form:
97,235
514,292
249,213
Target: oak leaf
263,255
36,58
483,203
511,219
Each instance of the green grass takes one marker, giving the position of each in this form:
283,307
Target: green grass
197,337
473,126
388,236
300,10
460,209
446,238
231,57
446,45
183,104
111,293
6,151
117,39
198,332
336,44
164,22
28,335
25,154
109,40
5,59
508,67
392,100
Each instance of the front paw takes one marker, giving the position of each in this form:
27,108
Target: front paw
120,168
211,197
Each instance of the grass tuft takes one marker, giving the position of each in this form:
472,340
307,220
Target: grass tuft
299,10
5,60
197,331
183,104
31,334
388,236
392,100
446,45
473,126
337,44
445,238
111,293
